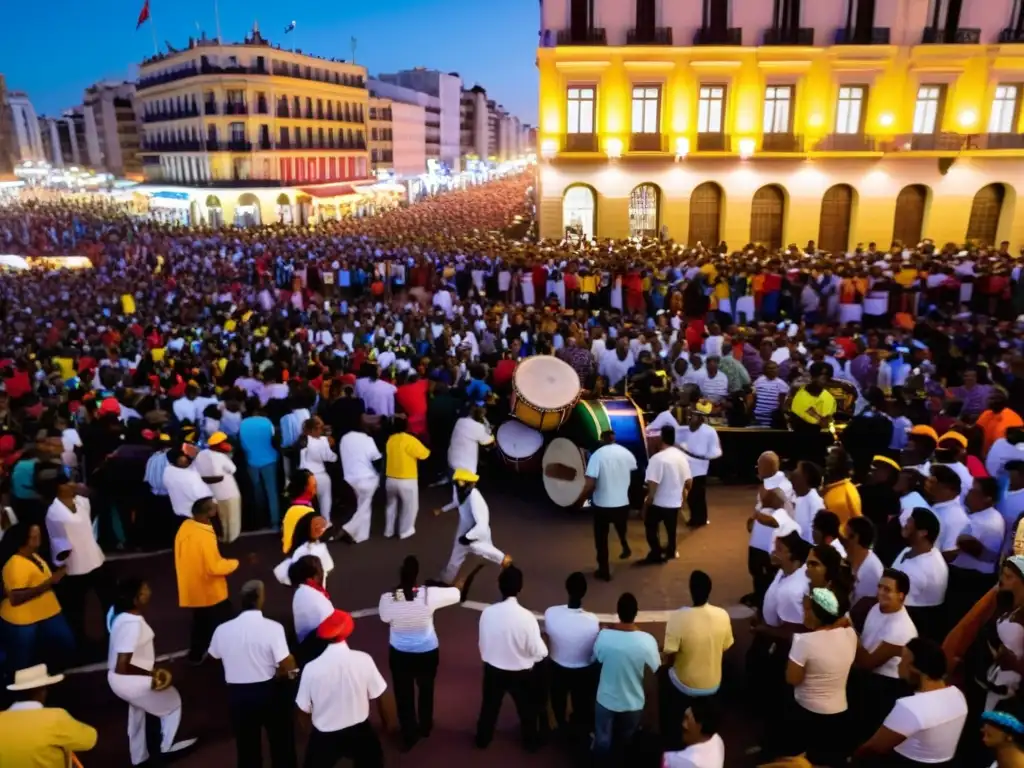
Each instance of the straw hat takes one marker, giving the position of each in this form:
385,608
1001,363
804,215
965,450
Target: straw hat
33,677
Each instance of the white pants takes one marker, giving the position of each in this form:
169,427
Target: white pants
230,513
404,493
324,494
136,690
480,547
359,526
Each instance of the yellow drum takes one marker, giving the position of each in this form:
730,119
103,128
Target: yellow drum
544,392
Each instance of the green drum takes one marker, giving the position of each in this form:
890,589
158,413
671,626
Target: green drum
620,414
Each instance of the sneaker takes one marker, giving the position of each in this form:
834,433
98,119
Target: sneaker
179,746
651,559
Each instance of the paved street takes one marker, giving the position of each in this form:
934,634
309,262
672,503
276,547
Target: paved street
547,544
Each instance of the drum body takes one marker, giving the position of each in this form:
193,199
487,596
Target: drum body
544,391
520,446
565,469
619,414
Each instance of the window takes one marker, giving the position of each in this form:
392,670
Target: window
710,107
237,132
645,109
581,110
850,109
926,111
1004,109
777,111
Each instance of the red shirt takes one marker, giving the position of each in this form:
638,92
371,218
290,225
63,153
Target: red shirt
412,398
18,385
504,371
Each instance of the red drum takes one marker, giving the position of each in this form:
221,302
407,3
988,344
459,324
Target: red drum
520,446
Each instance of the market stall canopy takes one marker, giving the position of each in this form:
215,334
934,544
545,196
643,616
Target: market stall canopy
330,190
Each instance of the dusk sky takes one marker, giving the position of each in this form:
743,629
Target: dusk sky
54,51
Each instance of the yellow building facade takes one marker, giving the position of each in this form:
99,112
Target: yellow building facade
840,144
252,116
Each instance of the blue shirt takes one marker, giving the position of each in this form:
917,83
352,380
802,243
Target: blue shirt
23,480
256,434
623,656
611,466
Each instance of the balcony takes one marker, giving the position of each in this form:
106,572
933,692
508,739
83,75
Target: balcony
926,142
962,36
729,36
580,142
282,111
172,114
997,141
261,108
713,142
210,108
592,36
782,142
234,108
206,68
801,36
1011,35
846,142
873,36
333,78
159,145
648,142
238,145
649,36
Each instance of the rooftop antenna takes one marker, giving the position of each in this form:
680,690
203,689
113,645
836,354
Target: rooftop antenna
216,16
354,44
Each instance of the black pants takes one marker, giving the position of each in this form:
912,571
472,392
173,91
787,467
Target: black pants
412,674
204,622
822,738
577,685
698,501
672,705
966,588
258,706
604,517
73,591
872,698
522,686
762,572
358,743
655,517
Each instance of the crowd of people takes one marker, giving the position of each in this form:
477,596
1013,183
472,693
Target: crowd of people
195,383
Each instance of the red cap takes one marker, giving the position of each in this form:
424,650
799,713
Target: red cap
337,627
108,406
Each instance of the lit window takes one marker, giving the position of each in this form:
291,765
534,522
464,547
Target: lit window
777,100
850,109
581,110
926,111
645,109
1004,110
710,106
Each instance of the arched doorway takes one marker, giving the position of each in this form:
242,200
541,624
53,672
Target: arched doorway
247,211
579,210
908,223
216,211
706,214
305,209
834,225
985,211
643,211
767,216
284,209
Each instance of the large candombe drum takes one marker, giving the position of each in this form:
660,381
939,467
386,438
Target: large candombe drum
544,391
565,471
619,414
520,446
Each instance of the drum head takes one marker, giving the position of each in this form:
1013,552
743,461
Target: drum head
564,471
546,382
518,441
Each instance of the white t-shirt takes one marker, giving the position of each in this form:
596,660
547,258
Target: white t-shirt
702,441
929,576
467,437
358,452
867,578
707,754
72,531
804,509
250,646
185,487
571,634
784,600
826,657
336,688
892,628
671,471
932,723
131,634
762,537
611,466
216,464
988,527
952,522
309,609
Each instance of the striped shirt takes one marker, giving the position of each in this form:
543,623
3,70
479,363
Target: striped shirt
714,388
766,398
155,473
412,621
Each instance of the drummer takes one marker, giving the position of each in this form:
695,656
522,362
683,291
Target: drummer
473,536
701,445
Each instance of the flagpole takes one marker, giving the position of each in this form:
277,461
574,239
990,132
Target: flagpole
216,16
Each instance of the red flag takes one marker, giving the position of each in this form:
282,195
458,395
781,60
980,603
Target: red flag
143,15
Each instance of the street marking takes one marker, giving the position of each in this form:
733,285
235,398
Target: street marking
121,556
736,613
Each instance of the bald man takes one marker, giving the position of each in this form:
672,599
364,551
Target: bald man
772,517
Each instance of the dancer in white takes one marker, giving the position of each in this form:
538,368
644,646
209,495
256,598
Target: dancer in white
473,536
315,453
134,678
360,460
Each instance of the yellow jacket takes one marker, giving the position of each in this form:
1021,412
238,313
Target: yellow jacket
33,736
200,569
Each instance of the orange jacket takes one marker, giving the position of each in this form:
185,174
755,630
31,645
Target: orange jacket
200,569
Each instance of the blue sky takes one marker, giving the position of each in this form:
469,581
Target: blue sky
54,51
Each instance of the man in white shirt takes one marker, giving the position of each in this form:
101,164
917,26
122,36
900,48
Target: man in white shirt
571,632
771,519
1011,507
699,441
257,661
215,461
615,363
807,502
944,489
185,486
714,385
469,434
609,473
668,483
925,727
979,545
335,691
360,462
858,537
510,647
473,534
928,572
704,747
379,395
